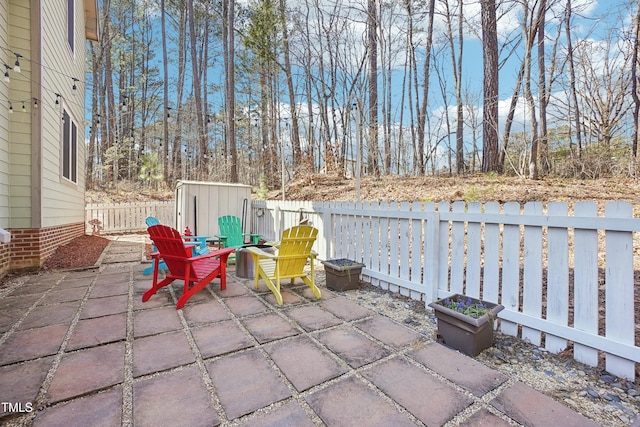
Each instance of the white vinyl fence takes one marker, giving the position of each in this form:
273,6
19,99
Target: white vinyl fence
114,218
566,280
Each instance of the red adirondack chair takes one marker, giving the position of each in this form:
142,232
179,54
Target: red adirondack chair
196,271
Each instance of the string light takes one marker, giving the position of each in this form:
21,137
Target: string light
35,102
10,108
7,67
16,68
24,109
75,87
124,103
57,99
98,121
168,112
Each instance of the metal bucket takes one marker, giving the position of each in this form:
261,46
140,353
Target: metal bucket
244,260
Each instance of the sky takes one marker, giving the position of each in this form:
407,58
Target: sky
592,20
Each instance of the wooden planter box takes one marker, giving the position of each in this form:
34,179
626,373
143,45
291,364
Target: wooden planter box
465,333
342,274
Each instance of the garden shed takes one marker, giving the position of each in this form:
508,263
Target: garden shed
199,204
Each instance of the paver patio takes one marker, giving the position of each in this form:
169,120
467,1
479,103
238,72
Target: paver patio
82,349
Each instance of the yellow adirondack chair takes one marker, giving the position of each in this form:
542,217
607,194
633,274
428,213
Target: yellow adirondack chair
294,250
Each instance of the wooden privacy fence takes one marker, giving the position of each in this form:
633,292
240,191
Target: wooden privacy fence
113,218
566,280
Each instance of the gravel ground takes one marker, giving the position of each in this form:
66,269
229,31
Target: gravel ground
607,400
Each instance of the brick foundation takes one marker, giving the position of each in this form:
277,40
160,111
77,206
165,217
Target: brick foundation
30,247
4,258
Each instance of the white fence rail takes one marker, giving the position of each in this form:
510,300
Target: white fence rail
566,281
113,218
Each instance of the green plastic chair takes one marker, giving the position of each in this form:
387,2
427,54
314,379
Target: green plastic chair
231,235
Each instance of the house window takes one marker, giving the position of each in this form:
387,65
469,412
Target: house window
71,23
69,148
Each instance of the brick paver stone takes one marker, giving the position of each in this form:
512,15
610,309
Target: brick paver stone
303,362
313,318
159,299
389,332
159,352
32,343
32,289
155,321
269,327
425,396
75,282
245,383
75,275
220,338
20,383
97,410
109,289
207,312
234,289
484,418
346,309
20,301
87,370
63,295
288,298
532,408
177,398
354,348
245,305
9,317
141,284
96,307
307,293
287,415
470,374
111,278
46,315
199,298
98,331
52,277
350,402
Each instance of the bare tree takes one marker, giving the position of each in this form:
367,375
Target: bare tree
229,66
456,66
372,47
490,99
634,82
572,79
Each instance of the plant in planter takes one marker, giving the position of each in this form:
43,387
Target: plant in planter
342,274
466,323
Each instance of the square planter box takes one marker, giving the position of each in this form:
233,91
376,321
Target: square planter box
342,274
465,333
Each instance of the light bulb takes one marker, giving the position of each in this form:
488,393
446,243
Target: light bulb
16,67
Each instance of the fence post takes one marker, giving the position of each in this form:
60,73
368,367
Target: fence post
278,221
431,256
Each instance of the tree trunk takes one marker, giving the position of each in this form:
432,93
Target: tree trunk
490,100
572,80
197,89
634,84
542,90
295,131
230,102
373,88
422,112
